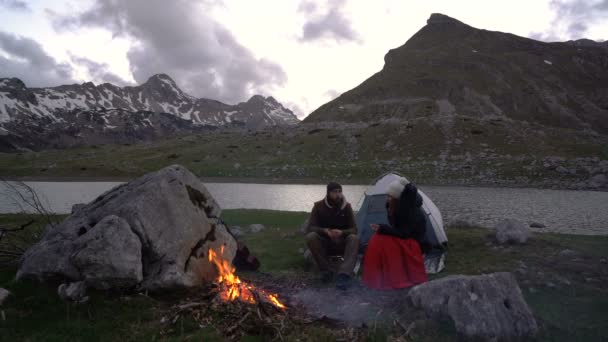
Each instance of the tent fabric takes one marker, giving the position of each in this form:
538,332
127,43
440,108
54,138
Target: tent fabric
373,210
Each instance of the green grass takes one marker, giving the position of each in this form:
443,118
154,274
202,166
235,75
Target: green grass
574,312
354,155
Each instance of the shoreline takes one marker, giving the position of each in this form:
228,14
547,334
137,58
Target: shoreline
287,181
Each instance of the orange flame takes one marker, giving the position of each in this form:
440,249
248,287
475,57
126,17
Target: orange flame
232,288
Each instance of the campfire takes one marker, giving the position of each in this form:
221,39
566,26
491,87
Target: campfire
233,288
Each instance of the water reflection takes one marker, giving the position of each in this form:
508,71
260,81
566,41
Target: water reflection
561,211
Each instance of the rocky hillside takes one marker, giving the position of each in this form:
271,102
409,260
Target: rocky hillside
67,115
449,70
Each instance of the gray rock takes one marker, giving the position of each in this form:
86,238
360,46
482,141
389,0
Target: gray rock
77,207
73,292
4,294
256,228
109,255
567,253
237,231
512,231
170,213
488,306
598,181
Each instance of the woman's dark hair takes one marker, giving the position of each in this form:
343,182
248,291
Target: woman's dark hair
408,215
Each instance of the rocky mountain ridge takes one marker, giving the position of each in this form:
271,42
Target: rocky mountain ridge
33,118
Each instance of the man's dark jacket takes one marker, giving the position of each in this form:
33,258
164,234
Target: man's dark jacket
325,215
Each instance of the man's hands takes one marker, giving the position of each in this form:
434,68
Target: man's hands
375,227
333,234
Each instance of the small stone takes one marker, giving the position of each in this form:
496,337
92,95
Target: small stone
550,284
256,228
73,292
4,294
564,281
603,261
512,231
237,231
567,253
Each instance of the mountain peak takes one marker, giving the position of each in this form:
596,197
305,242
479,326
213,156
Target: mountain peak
441,19
160,80
261,99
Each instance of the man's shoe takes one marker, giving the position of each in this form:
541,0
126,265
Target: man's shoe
326,276
343,281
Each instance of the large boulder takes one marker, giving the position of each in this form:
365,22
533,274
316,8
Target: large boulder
512,231
489,306
153,232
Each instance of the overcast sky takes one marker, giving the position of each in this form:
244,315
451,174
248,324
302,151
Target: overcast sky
304,53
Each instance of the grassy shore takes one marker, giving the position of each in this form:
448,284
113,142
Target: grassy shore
305,155
565,290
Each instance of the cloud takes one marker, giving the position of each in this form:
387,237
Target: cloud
97,72
185,42
329,25
300,107
25,59
15,5
332,94
572,19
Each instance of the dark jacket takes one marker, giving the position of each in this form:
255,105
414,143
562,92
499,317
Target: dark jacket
407,220
324,215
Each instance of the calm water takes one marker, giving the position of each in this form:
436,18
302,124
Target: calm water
583,212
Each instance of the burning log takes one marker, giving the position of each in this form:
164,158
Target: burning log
232,288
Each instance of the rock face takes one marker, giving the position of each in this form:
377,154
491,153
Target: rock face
512,231
154,232
109,255
448,70
95,114
487,306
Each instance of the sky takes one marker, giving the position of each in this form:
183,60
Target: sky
302,52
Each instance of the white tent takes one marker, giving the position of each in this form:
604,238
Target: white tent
373,210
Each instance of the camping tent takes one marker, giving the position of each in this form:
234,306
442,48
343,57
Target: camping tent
373,210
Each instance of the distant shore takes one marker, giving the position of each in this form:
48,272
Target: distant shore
244,180
279,180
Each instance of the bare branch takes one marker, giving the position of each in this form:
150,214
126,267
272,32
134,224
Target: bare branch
22,194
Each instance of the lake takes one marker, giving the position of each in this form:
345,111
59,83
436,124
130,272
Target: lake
563,211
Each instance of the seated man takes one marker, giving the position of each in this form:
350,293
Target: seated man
332,231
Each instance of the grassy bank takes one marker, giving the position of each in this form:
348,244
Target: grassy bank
302,154
565,290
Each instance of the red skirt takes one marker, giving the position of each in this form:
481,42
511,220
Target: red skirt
393,263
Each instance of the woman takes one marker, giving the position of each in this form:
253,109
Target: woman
393,259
